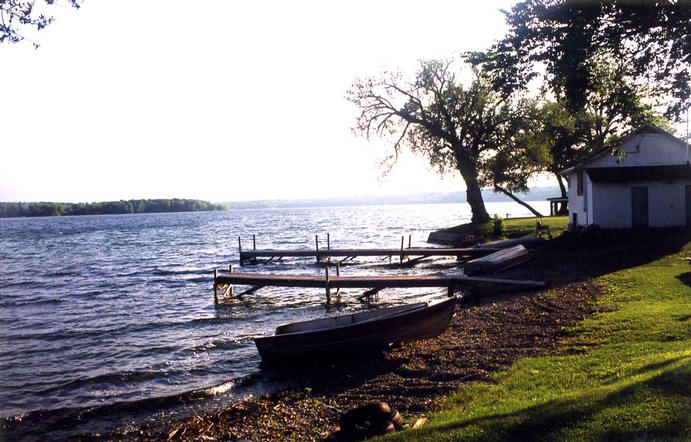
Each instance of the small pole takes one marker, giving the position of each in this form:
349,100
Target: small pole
316,245
230,270
338,273
240,249
410,239
402,241
215,287
254,242
328,289
328,241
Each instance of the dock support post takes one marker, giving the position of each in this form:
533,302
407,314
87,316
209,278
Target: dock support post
215,287
338,273
254,241
410,239
316,246
328,289
230,270
240,249
328,241
402,240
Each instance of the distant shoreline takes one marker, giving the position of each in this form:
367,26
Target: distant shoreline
122,207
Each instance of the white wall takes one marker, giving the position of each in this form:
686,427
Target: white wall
647,149
577,203
666,204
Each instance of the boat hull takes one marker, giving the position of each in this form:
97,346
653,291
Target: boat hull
333,343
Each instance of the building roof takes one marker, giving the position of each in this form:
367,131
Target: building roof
638,173
648,128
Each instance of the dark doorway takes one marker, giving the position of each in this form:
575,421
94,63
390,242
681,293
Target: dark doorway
639,206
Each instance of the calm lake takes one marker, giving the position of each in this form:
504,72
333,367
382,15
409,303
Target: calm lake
109,320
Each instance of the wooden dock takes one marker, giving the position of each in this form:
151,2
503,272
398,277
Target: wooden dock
226,281
320,255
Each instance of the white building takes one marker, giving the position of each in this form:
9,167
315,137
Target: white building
649,187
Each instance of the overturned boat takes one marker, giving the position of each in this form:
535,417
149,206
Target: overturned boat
330,338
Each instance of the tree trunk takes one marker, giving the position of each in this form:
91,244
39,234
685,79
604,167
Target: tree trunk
474,198
515,198
562,207
473,192
562,188
477,204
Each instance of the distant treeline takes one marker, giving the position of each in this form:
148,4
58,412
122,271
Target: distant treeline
11,210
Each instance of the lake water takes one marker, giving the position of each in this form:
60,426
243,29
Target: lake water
103,315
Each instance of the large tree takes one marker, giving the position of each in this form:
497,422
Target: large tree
456,128
612,106
17,17
650,39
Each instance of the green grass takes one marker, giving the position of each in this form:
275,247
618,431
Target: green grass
624,374
513,227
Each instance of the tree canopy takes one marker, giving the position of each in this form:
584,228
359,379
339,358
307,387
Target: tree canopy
650,39
17,16
472,130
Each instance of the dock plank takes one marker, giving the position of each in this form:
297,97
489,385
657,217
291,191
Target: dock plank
368,281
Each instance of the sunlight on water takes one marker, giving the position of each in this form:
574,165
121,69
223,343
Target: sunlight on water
101,310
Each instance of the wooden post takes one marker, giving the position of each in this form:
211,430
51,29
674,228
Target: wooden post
254,242
240,249
402,241
328,289
410,238
316,245
328,241
215,287
338,273
230,270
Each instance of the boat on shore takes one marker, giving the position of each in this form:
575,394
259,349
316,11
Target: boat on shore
331,338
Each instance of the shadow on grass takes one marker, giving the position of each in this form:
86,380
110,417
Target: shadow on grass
575,257
550,420
685,278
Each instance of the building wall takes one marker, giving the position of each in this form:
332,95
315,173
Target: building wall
647,149
666,204
579,204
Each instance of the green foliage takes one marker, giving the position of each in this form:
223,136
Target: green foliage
568,37
624,374
472,130
16,16
9,210
497,225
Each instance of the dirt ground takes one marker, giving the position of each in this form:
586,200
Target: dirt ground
487,333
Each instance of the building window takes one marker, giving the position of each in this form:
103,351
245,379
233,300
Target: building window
579,182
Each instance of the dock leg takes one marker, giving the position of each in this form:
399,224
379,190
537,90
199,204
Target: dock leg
240,249
328,289
215,287
316,246
230,270
402,241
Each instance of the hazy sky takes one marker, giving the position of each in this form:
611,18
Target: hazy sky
217,100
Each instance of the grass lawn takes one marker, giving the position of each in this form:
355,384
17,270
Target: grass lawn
513,227
623,374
